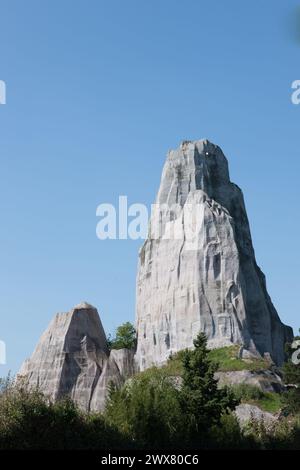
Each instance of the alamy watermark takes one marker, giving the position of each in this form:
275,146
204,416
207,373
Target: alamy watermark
167,222
296,93
2,353
2,92
296,353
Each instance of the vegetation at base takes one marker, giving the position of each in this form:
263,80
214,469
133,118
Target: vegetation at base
146,410
291,375
153,412
202,401
29,421
228,360
267,401
180,406
156,409
174,366
125,337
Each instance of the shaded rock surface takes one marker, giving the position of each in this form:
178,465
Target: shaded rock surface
198,272
266,380
72,358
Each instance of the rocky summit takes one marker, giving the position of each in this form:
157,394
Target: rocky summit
197,272
197,269
72,358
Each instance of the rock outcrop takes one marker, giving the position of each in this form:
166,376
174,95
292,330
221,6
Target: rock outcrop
265,380
197,269
246,413
72,358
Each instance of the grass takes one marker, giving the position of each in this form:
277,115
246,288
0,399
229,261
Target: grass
253,395
174,365
226,357
228,360
271,402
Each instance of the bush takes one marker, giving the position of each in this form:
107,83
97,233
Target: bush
291,400
125,337
283,434
146,410
247,392
228,435
153,411
291,375
203,403
29,421
267,401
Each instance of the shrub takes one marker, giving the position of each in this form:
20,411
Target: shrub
291,375
202,402
291,400
247,392
146,410
125,337
29,421
228,435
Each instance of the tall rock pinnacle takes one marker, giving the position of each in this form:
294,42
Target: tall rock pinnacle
197,269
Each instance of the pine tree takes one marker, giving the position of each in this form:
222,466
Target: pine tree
202,402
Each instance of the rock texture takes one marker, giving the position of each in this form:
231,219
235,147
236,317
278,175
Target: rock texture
197,272
72,359
266,380
246,413
197,269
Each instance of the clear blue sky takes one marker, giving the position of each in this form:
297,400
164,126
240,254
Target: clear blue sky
97,92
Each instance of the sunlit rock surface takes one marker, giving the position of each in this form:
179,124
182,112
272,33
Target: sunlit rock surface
72,358
197,269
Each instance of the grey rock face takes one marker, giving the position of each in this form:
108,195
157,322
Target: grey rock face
246,413
117,369
72,359
197,269
266,380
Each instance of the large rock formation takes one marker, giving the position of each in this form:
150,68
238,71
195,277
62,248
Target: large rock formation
197,269
72,359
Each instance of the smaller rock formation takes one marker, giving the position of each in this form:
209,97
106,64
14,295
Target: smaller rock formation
72,358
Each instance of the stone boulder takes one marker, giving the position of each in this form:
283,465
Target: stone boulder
246,413
265,380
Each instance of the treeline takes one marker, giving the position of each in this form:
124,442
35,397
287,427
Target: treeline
152,411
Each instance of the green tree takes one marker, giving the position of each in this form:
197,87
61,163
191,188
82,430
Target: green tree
146,410
125,337
28,420
202,402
